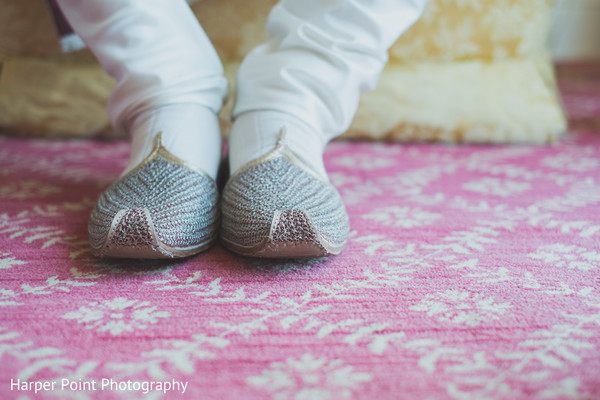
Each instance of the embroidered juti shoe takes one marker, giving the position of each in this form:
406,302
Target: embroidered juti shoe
163,208
277,207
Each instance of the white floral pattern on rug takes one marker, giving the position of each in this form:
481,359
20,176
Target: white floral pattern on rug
570,163
310,378
8,261
442,292
117,316
497,187
363,162
461,307
27,190
567,256
402,217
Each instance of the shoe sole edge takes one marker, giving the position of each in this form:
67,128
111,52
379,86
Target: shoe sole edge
277,246
152,249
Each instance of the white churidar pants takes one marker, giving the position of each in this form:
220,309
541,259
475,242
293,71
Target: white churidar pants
320,56
155,49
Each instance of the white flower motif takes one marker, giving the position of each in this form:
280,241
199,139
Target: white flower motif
569,256
363,162
310,378
497,187
402,217
570,162
7,261
27,190
458,307
117,316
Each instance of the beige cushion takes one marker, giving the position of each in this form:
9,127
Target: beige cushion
468,70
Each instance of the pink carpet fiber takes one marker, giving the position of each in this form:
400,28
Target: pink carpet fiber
473,272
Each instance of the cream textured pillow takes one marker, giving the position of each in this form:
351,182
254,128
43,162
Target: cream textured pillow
469,70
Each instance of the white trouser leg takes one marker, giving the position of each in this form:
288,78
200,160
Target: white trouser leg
321,55
167,73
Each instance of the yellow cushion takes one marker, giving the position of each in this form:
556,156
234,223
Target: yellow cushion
488,30
47,98
468,70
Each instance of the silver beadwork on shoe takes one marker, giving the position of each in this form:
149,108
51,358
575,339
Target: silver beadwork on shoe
163,208
277,206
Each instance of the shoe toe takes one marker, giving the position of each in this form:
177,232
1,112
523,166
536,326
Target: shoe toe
293,234
161,209
279,209
132,234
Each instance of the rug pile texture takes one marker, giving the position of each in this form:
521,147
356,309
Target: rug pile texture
473,272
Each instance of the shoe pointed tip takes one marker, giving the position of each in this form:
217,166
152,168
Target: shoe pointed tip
292,226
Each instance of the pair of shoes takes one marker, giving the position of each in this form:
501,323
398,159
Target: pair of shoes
273,207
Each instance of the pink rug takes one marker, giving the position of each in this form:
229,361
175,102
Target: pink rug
473,272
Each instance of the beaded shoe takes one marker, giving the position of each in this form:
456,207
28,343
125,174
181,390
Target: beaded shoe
163,208
278,207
